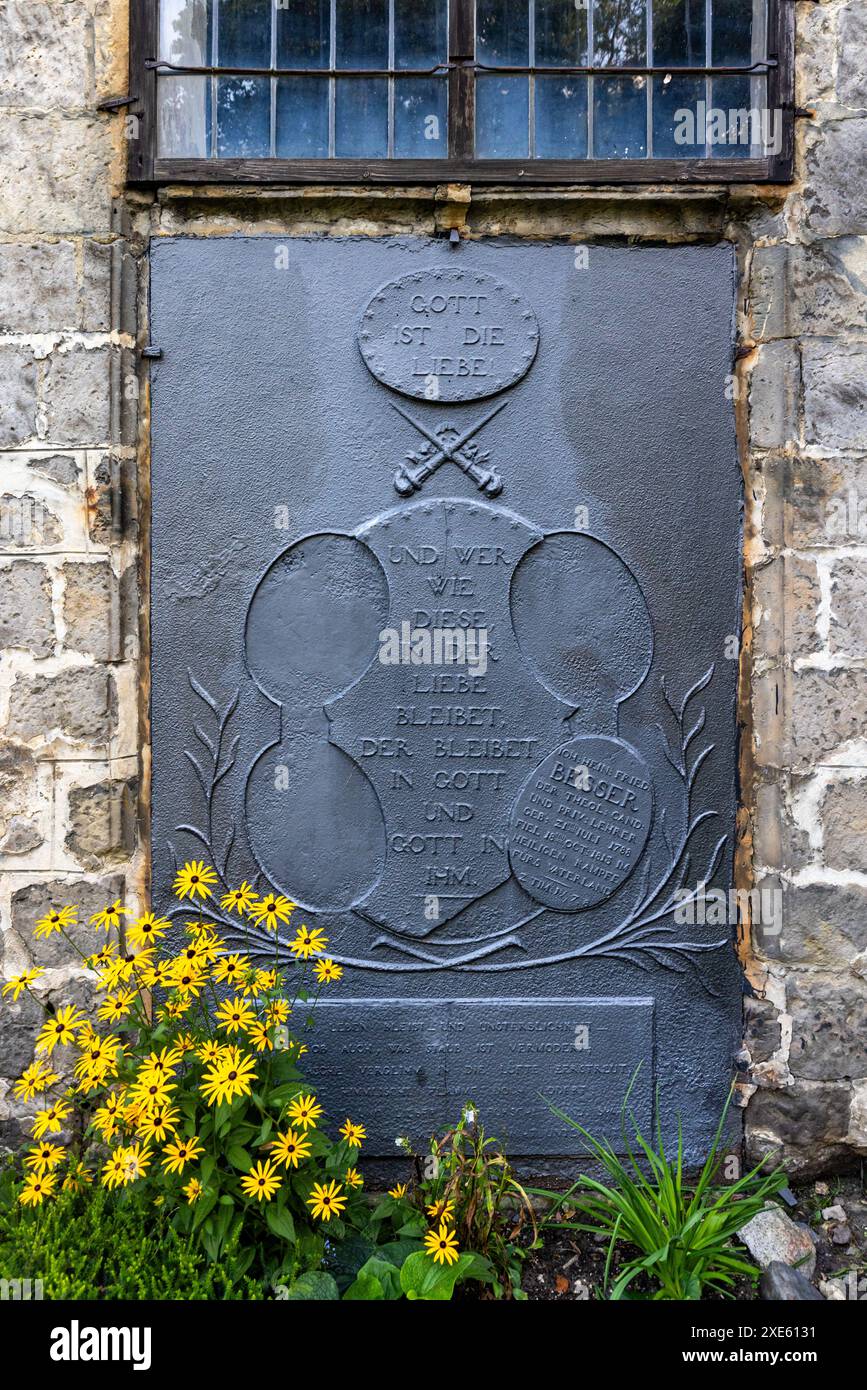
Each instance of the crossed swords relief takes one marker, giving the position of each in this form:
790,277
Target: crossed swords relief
446,443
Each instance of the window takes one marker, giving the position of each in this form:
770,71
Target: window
528,91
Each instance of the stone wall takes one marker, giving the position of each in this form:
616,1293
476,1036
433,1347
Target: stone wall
73,548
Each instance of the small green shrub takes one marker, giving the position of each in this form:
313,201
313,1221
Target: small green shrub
683,1230
91,1245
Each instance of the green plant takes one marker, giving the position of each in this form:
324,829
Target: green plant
467,1181
682,1230
92,1245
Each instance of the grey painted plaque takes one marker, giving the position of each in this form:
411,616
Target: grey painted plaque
450,664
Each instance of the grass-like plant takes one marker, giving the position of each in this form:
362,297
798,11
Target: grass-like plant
682,1229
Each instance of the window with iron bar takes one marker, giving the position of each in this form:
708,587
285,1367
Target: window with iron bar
504,91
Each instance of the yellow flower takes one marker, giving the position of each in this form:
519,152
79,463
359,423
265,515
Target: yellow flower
307,943
194,879
114,1171
234,1014
22,981
109,1115
185,1042
37,1188
116,972
188,977
110,916
398,1191
267,979
159,1124
98,1055
325,1200
233,1075
442,1244
192,1191
262,1181
441,1211
151,1093
34,1079
148,929
290,1148
180,1152
230,969
103,956
44,1157
277,1011
77,1179
353,1178
160,1064
353,1134
209,1052
49,1121
271,910
56,921
305,1111
327,971
136,1161
59,1029
260,1036
238,900
116,1007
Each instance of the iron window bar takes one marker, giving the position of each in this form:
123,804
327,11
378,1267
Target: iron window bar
605,70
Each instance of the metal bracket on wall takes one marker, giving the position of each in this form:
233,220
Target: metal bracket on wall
151,353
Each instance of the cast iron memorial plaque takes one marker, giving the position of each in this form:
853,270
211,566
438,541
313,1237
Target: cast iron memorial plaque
444,611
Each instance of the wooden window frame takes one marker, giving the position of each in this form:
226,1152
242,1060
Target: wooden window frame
144,167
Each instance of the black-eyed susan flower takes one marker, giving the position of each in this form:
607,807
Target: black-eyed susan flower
353,1134
305,1111
156,974
209,1051
151,1093
180,1152
109,1116
22,981
290,1149
262,1181
259,1034
187,977
158,1124
352,1178
234,1015
238,900
277,1011
136,1162
325,1200
441,1211
192,1191
399,1190
233,1075
110,916
44,1157
271,910
59,1030
117,972
114,1169
148,929
157,1064
49,1121
307,943
116,1007
77,1178
37,1188
185,1042
442,1244
55,921
266,979
194,880
230,969
327,971
34,1080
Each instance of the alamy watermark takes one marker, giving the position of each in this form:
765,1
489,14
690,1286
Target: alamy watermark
435,646
716,907
760,127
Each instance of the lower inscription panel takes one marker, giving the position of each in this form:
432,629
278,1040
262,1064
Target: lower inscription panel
425,1059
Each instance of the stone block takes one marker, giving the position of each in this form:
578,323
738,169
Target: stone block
825,709
77,704
57,172
844,821
835,178
823,502
774,385
824,925
101,820
46,54
18,400
835,402
32,902
76,394
803,1126
26,617
91,609
829,1023
851,47
38,287
848,636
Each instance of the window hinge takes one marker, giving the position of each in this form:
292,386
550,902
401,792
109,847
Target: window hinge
115,103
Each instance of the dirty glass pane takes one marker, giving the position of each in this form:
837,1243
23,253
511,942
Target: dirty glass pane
502,117
420,118
244,33
679,33
561,117
619,32
362,34
361,125
620,117
503,32
185,31
732,33
678,121
184,117
302,118
303,33
243,117
420,33
735,126
561,33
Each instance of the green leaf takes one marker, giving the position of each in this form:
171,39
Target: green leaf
314,1286
422,1278
280,1223
209,1163
383,1274
239,1157
365,1288
396,1251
